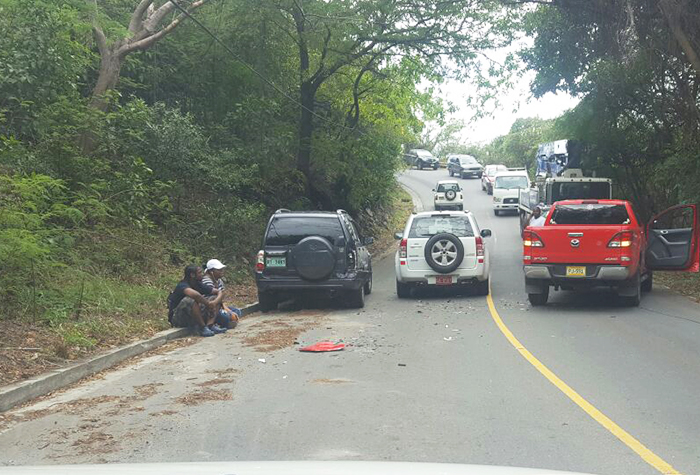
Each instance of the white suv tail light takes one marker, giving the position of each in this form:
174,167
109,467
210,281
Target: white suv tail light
479,249
403,251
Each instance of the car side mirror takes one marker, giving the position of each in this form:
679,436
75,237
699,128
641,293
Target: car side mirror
398,236
485,233
433,189
368,241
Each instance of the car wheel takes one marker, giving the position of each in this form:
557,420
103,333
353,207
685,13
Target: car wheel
482,288
636,298
435,167
368,285
403,291
444,252
267,301
420,165
496,212
539,299
450,172
356,298
648,283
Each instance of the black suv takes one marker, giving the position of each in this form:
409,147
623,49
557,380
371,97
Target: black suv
313,251
420,158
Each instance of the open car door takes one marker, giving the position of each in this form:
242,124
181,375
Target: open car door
673,240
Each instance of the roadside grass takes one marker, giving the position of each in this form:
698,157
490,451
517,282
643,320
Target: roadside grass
685,283
383,223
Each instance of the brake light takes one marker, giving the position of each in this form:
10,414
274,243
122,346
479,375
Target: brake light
479,250
531,239
260,263
403,251
623,239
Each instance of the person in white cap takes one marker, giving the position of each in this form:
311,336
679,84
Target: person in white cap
227,317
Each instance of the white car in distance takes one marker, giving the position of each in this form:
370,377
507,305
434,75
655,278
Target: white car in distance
506,189
447,194
444,248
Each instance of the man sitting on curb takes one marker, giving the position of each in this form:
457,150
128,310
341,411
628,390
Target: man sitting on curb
189,307
227,316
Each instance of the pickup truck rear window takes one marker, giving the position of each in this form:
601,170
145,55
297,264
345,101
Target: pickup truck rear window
290,230
510,182
596,190
590,214
429,226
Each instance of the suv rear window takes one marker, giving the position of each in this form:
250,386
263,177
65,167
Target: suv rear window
590,214
285,231
427,226
443,187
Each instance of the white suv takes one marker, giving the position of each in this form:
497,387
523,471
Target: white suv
506,189
442,248
447,194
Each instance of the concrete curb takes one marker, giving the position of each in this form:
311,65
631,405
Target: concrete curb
23,391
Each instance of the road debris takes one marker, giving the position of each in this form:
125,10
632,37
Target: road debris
448,338
323,346
262,360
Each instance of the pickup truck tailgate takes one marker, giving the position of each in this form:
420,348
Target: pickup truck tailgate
576,245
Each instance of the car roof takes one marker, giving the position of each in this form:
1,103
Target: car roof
592,201
512,173
461,156
424,214
306,214
442,182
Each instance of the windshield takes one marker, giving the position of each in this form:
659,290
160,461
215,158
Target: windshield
428,226
290,230
604,214
511,182
424,153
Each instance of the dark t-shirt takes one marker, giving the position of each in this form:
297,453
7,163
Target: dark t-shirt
179,292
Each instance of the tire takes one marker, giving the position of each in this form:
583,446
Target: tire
356,298
537,300
368,285
482,288
267,301
496,212
450,195
435,167
451,173
634,300
403,291
449,249
313,258
420,165
647,284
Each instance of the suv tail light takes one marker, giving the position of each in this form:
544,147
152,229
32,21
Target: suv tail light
531,239
479,249
351,259
403,251
260,263
623,239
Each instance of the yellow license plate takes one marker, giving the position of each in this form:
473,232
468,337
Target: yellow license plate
576,271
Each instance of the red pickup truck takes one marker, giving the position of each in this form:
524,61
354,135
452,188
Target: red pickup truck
589,243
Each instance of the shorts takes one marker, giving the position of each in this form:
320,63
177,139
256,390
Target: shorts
182,316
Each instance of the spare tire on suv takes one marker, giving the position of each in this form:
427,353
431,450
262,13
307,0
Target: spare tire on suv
314,258
444,253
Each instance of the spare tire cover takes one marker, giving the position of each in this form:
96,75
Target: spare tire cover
450,194
444,252
313,258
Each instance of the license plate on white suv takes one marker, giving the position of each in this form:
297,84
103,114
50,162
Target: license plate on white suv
443,280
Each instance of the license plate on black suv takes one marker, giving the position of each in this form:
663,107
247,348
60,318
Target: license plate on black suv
276,262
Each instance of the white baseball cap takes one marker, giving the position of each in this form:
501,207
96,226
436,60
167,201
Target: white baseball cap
215,264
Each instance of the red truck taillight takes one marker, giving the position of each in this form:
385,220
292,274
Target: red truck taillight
480,250
260,263
403,251
531,239
623,239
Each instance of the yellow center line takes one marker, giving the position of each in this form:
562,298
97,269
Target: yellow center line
625,437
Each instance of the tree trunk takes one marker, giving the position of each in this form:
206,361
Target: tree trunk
110,67
306,130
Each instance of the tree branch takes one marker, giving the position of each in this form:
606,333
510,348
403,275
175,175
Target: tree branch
137,17
100,39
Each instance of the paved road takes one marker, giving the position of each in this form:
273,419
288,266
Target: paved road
427,379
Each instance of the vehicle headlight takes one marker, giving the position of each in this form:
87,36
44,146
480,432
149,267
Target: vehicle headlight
496,199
